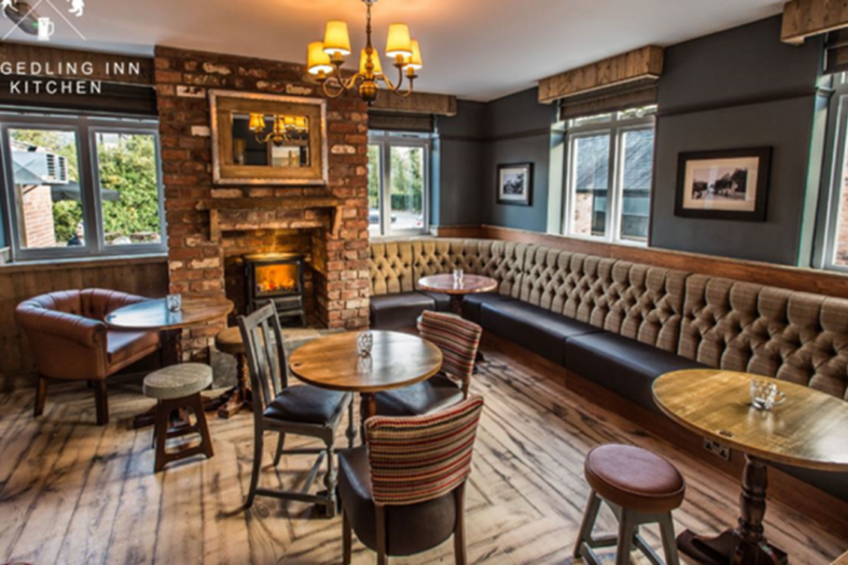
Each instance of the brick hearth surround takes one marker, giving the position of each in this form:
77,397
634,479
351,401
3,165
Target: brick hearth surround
340,278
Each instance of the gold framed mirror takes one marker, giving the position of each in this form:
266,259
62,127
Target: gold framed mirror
266,139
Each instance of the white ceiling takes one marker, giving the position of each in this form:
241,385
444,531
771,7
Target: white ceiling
476,49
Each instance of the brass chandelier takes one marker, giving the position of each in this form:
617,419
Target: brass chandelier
325,60
286,128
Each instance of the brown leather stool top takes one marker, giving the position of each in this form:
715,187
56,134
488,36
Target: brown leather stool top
632,477
230,341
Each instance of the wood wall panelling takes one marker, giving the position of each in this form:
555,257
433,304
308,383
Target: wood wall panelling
145,277
640,64
808,18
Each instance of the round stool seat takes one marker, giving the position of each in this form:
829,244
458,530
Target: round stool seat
230,341
634,478
178,381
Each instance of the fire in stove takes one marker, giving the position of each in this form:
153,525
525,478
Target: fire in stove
275,279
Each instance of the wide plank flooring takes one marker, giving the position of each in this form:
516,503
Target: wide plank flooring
71,492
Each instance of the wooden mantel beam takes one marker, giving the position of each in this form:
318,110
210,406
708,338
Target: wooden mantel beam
808,18
639,64
216,206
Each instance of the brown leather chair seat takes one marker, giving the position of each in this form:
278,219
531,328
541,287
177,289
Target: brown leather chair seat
126,346
308,404
634,478
436,519
436,393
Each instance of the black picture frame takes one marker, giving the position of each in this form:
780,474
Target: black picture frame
723,207
504,193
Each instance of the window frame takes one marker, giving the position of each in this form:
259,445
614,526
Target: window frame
615,128
385,140
85,128
834,181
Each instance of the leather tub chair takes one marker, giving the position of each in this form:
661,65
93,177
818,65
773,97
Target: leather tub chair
70,340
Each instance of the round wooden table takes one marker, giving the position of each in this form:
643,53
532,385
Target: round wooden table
153,315
470,284
397,360
807,430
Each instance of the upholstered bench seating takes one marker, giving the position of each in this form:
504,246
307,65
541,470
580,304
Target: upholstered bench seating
620,324
538,330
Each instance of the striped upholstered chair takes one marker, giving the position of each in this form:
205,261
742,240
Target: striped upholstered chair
459,340
404,491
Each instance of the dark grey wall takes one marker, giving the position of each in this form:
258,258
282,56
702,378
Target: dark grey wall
519,131
458,167
735,89
515,129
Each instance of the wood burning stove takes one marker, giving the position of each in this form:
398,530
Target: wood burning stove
276,278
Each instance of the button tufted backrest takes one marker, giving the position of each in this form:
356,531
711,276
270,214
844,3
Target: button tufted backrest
504,262
542,271
391,268
646,304
793,336
437,256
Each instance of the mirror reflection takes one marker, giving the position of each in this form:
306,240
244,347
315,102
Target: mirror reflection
269,140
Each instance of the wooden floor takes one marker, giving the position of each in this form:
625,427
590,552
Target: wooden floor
71,492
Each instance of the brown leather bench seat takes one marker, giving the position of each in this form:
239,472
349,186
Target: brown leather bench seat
620,324
622,365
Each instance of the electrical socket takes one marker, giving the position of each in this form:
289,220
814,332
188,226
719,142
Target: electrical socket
717,448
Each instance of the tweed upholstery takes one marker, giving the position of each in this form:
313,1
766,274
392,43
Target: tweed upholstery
457,338
421,458
436,256
391,268
504,262
793,336
646,304
178,381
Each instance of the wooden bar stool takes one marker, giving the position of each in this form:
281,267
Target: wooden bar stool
230,341
177,388
641,488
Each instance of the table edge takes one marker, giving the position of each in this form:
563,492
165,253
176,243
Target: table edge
743,448
376,388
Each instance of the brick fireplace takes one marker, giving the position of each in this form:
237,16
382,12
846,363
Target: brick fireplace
211,228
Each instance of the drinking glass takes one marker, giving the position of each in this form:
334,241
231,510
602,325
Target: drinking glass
175,302
458,275
765,395
364,343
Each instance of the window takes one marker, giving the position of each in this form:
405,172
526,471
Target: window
610,169
835,232
81,187
398,183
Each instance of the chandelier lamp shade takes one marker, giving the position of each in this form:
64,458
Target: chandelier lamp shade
326,58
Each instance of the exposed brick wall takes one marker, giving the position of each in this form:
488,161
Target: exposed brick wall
340,279
38,229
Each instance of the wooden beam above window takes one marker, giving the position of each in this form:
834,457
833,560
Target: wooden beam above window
808,18
637,65
417,103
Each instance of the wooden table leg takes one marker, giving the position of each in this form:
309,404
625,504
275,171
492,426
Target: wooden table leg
747,544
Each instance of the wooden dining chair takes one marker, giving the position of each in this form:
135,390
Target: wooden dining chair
278,407
459,340
404,492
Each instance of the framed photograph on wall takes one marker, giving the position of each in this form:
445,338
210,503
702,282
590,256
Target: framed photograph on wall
515,184
724,185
